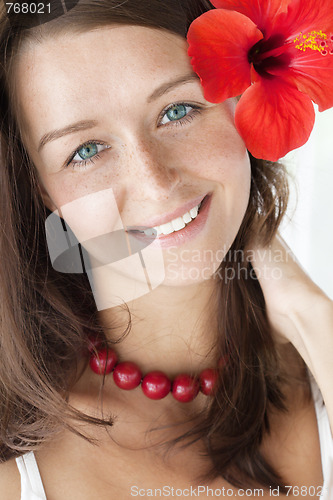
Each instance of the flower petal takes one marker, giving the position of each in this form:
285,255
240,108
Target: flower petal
312,73
219,42
305,16
261,12
273,118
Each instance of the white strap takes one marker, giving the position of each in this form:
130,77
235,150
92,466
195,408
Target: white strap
31,483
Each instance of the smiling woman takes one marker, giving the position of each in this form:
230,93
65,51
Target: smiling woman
129,208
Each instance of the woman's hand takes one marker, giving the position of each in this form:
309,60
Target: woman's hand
298,310
288,290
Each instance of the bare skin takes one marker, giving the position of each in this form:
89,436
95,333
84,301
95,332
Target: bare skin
118,464
153,166
141,151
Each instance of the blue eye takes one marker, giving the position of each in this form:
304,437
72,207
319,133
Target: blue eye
87,151
180,113
176,112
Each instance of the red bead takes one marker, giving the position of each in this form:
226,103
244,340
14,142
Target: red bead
93,343
127,375
104,361
208,379
185,388
156,385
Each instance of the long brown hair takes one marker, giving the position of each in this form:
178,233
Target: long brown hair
45,315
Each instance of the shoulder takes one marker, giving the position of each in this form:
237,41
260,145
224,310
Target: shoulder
10,481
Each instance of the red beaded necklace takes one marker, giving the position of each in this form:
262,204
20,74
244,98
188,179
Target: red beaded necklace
155,384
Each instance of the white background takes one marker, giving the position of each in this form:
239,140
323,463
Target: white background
309,233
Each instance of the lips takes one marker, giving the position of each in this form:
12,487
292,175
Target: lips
180,237
186,211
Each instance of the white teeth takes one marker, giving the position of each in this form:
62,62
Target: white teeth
178,224
194,212
187,218
149,232
167,228
174,225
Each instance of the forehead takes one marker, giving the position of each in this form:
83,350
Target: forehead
93,68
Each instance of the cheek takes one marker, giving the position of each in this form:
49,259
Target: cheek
221,157
212,148
89,209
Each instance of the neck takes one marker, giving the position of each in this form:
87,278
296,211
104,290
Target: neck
172,329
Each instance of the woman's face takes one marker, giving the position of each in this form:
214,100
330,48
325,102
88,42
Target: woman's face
117,126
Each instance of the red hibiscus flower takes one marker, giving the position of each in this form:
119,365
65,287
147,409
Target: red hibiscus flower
279,55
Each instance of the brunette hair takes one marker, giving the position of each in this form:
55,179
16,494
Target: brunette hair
45,315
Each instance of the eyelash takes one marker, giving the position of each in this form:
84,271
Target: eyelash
82,165
182,121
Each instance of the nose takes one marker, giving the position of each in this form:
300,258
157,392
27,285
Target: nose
152,170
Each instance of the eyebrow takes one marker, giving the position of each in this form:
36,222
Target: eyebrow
87,124
70,129
166,87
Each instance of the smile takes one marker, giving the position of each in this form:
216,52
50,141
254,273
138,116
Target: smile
175,224
176,231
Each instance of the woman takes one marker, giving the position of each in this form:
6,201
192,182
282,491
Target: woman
105,125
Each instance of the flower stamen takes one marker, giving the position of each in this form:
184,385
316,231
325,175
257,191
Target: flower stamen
315,40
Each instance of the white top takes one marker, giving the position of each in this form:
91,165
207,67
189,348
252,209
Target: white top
31,482
32,486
